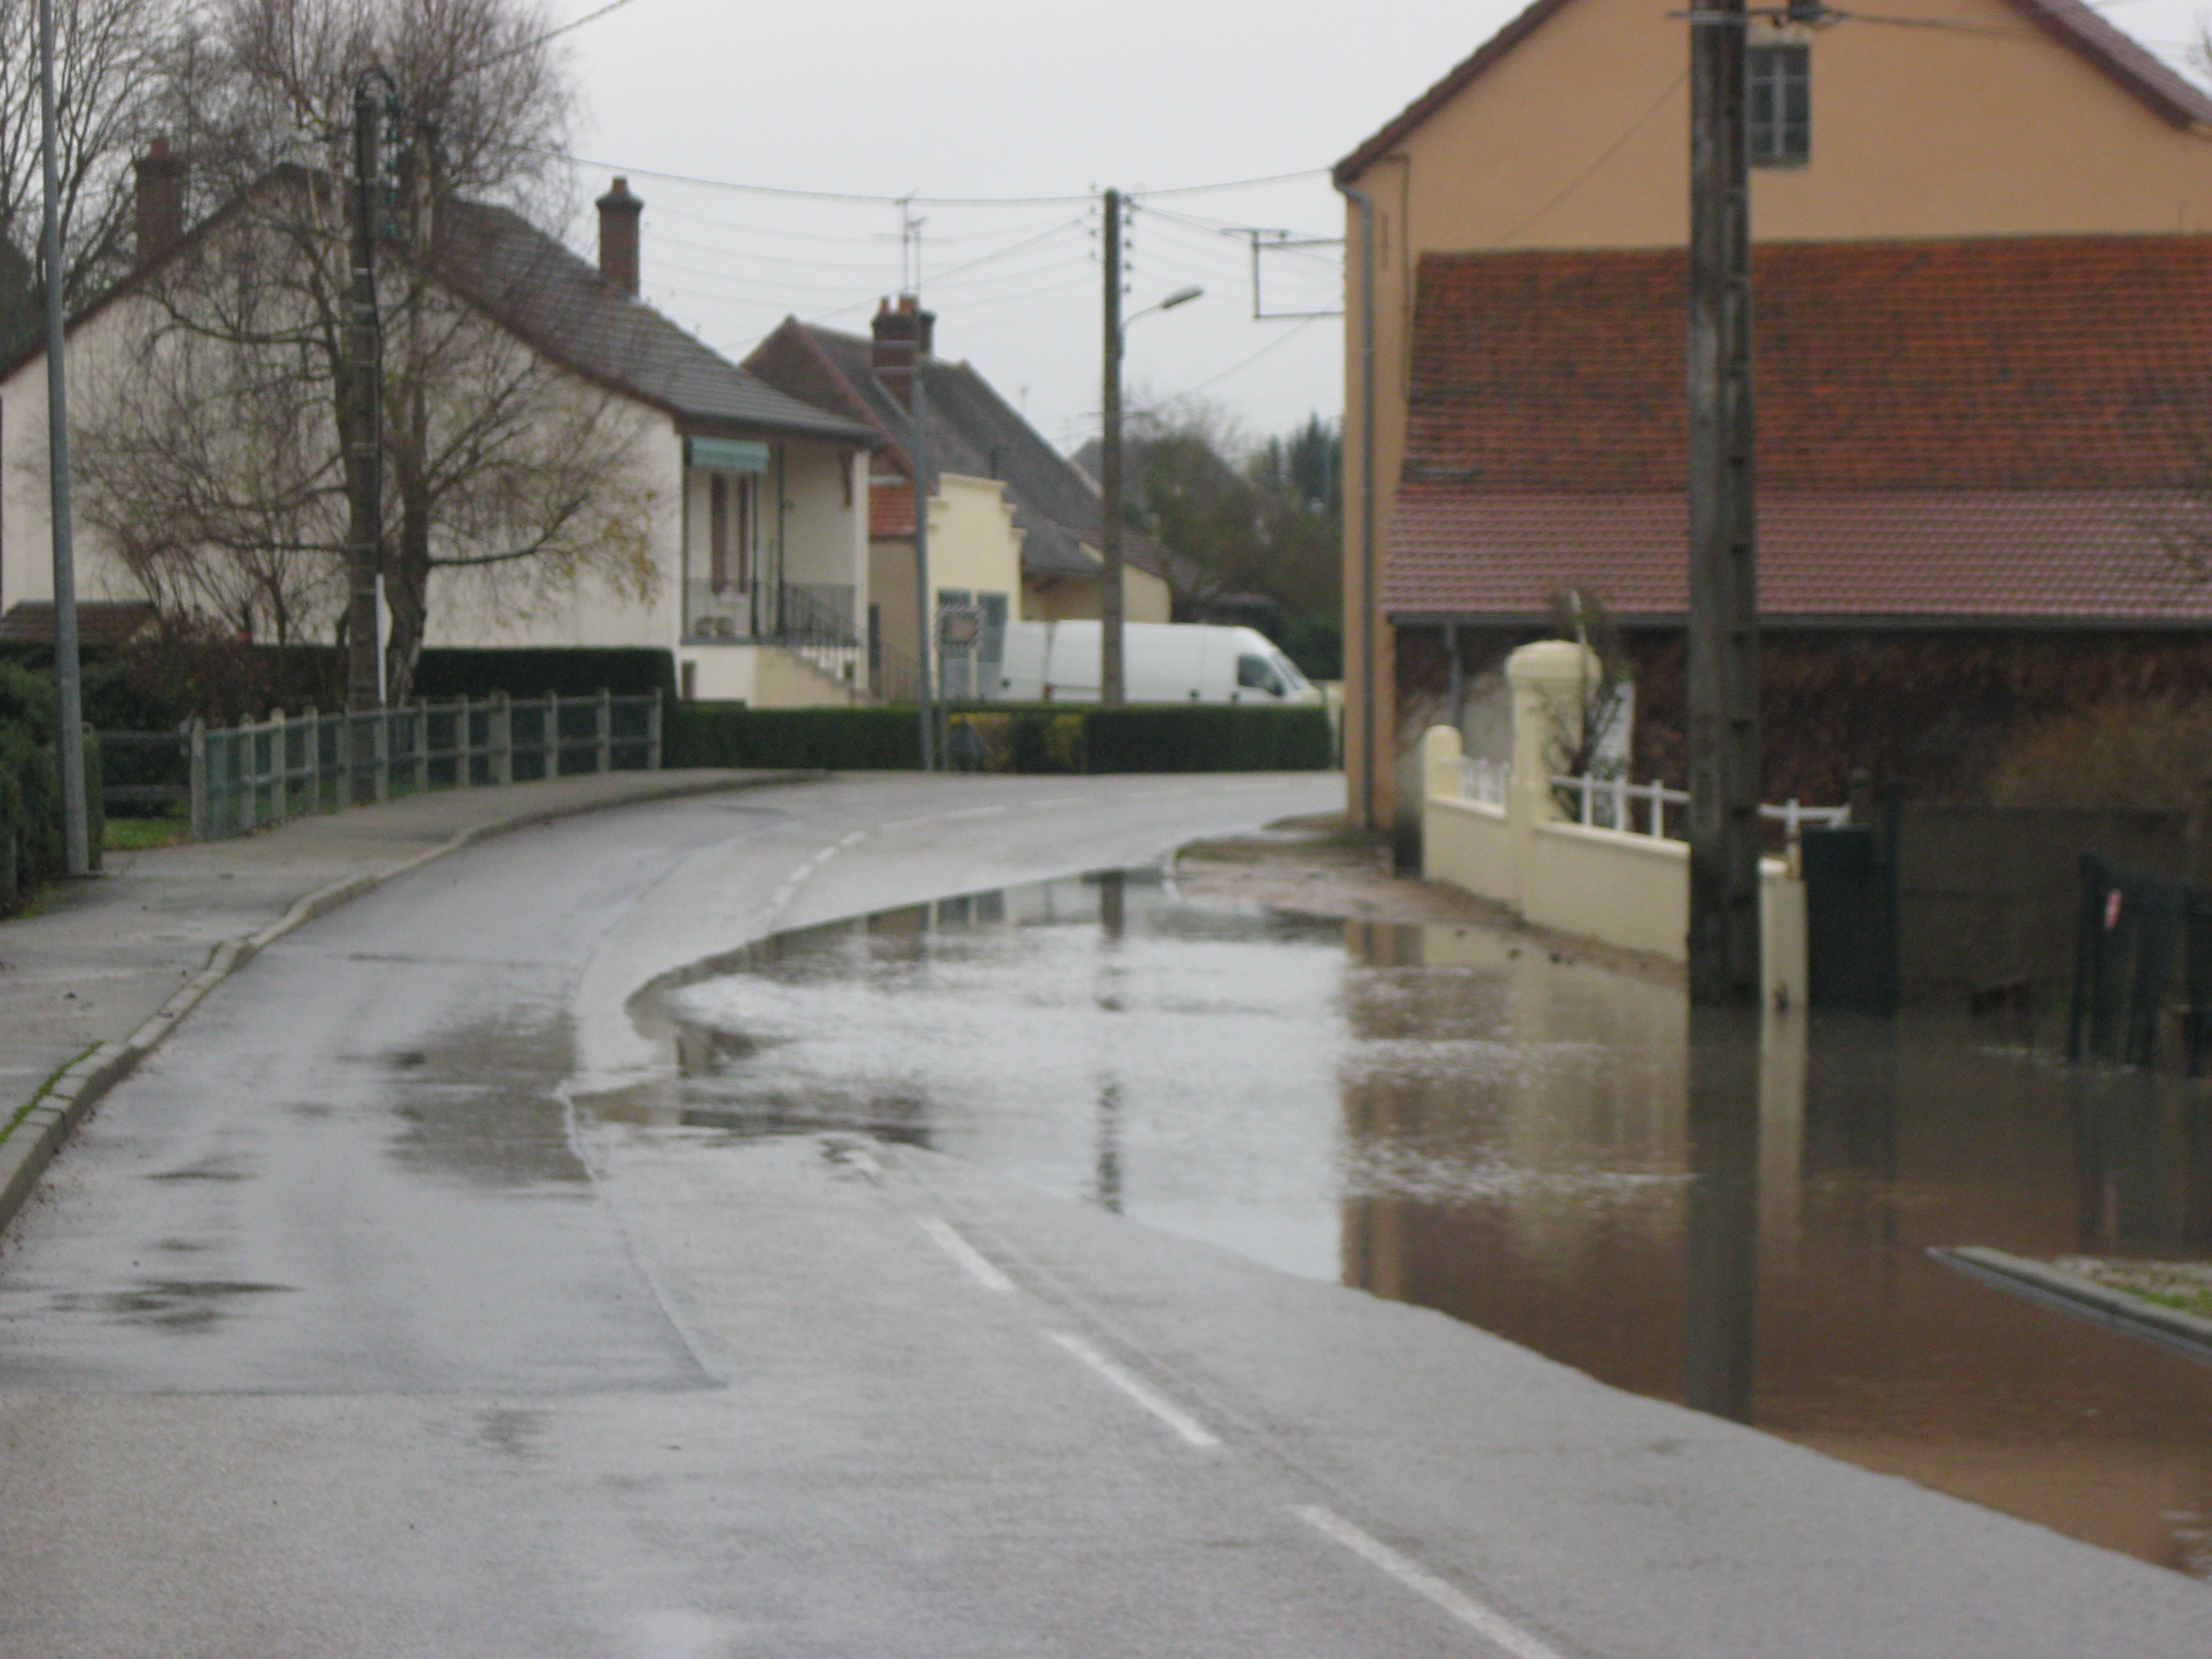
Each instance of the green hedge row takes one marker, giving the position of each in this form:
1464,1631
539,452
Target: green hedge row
31,849
999,738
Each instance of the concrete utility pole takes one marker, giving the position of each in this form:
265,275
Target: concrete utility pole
918,403
1110,473
364,434
69,734
1724,641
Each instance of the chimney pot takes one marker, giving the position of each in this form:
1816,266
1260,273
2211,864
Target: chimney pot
161,216
618,218
904,337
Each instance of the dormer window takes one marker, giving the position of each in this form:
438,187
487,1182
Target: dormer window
1778,104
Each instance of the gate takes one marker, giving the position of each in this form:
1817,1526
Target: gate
1851,917
2133,927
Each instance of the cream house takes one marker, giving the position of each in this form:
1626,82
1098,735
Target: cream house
1567,132
1013,524
745,511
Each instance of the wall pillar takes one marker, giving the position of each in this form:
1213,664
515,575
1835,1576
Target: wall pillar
1549,681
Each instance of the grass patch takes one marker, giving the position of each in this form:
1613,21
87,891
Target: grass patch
42,1091
136,834
2184,1286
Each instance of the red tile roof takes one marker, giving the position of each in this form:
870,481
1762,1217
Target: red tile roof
2006,428
2074,26
1900,555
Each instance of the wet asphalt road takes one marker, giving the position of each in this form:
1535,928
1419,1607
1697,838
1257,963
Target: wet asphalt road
341,1330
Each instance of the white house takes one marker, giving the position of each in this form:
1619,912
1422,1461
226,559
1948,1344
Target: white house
747,507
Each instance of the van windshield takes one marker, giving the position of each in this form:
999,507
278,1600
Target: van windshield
1289,670
1255,673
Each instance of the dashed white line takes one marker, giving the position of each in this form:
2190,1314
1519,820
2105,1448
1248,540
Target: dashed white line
857,835
1186,1426
978,1265
1491,1626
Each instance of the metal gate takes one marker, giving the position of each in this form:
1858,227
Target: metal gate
1851,917
2135,927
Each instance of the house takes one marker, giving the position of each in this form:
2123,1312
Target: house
745,511
1013,524
1961,147
1985,490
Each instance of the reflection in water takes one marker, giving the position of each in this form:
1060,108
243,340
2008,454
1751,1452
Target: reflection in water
1735,1216
1721,1228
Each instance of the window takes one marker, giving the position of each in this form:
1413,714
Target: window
1778,104
717,533
1256,673
729,531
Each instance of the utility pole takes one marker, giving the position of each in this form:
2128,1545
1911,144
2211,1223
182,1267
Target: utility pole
1723,638
69,735
1110,473
364,422
918,403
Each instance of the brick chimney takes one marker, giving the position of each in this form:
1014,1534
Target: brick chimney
904,335
618,214
161,202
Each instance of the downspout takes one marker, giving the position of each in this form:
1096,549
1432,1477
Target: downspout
1365,816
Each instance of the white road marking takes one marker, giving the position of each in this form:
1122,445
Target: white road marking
858,834
978,1265
1492,1627
1186,1426
1062,800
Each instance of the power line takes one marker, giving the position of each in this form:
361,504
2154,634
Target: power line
629,170
530,46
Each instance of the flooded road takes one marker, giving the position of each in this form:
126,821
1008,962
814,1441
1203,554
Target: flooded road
1455,1118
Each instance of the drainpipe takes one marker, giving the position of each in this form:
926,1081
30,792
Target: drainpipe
1366,203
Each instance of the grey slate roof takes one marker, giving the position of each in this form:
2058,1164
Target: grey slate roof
562,304
972,431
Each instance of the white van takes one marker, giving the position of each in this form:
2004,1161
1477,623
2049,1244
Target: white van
1161,662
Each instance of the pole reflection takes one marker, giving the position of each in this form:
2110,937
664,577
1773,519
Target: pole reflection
1720,1219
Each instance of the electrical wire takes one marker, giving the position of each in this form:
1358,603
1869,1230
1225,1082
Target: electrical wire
500,57
915,198
1242,364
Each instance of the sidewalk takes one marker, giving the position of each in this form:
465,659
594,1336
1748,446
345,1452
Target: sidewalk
94,979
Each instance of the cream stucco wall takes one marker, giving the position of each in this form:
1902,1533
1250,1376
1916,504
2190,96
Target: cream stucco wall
1144,598
1981,125
26,541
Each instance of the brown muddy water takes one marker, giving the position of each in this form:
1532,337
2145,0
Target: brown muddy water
1454,1117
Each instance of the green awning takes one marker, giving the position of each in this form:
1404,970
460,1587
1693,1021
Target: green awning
726,454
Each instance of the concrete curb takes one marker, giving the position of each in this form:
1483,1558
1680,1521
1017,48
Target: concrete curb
2084,1297
64,1100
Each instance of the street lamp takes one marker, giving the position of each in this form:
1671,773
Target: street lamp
1111,691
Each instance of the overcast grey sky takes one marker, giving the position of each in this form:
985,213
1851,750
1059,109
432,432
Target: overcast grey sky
1039,98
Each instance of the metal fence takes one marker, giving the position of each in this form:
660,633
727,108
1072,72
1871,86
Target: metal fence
249,777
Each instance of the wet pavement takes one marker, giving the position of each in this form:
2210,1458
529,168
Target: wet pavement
395,1306
1454,1118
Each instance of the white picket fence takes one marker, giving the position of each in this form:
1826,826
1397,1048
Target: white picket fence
1611,803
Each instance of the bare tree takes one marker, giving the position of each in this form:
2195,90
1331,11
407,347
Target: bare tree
111,60
213,459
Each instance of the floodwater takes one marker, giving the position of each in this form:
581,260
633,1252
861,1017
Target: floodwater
1732,1217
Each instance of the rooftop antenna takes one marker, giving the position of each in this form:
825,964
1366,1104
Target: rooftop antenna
909,248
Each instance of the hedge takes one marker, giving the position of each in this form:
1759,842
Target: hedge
1001,737
30,786
443,673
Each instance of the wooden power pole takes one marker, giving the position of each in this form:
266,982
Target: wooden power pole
1110,693
1723,642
